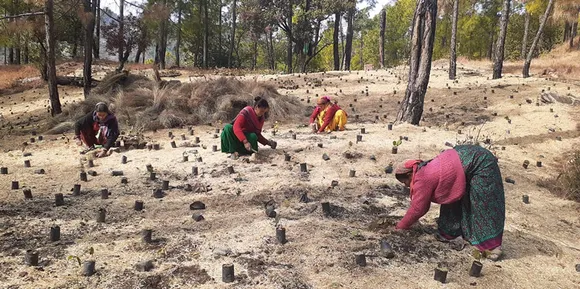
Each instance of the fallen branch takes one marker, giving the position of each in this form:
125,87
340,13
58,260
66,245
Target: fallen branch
23,15
74,81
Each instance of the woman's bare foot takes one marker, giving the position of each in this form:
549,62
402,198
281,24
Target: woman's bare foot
495,254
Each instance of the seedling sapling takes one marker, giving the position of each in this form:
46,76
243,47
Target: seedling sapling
396,145
90,251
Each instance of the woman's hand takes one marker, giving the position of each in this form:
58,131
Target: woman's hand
102,153
248,146
272,144
78,141
313,127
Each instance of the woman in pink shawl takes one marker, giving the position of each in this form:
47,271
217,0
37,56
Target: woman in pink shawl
467,182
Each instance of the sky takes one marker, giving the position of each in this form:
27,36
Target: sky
114,5
380,4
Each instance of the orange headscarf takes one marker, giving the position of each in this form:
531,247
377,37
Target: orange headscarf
408,166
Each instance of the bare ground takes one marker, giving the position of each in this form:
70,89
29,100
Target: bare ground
541,239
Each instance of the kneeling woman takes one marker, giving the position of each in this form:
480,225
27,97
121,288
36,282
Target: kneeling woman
327,116
467,182
241,137
98,128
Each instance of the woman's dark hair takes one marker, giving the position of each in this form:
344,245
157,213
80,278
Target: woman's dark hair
402,177
260,102
102,107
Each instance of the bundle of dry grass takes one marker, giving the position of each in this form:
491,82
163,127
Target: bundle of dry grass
121,81
143,105
567,184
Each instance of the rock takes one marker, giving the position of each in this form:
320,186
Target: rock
145,266
116,173
222,252
351,155
304,198
24,273
457,244
325,157
39,172
92,173
547,98
373,158
198,217
197,205
334,183
386,250
270,212
578,267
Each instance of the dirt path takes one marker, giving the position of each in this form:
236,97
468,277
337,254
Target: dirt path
541,238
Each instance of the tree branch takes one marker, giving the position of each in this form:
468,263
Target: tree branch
106,13
319,50
135,5
23,15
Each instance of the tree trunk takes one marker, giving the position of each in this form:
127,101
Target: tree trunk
55,107
26,52
138,55
335,43
161,46
89,32
526,29
289,53
254,53
422,39
178,42
349,34
527,63
361,55
17,50
121,33
341,46
11,55
383,24
75,48
490,48
220,21
233,36
573,33
156,57
499,50
271,53
127,50
453,48
97,38
566,30
205,34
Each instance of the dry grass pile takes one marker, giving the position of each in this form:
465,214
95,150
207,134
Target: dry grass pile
11,76
141,104
567,184
121,81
